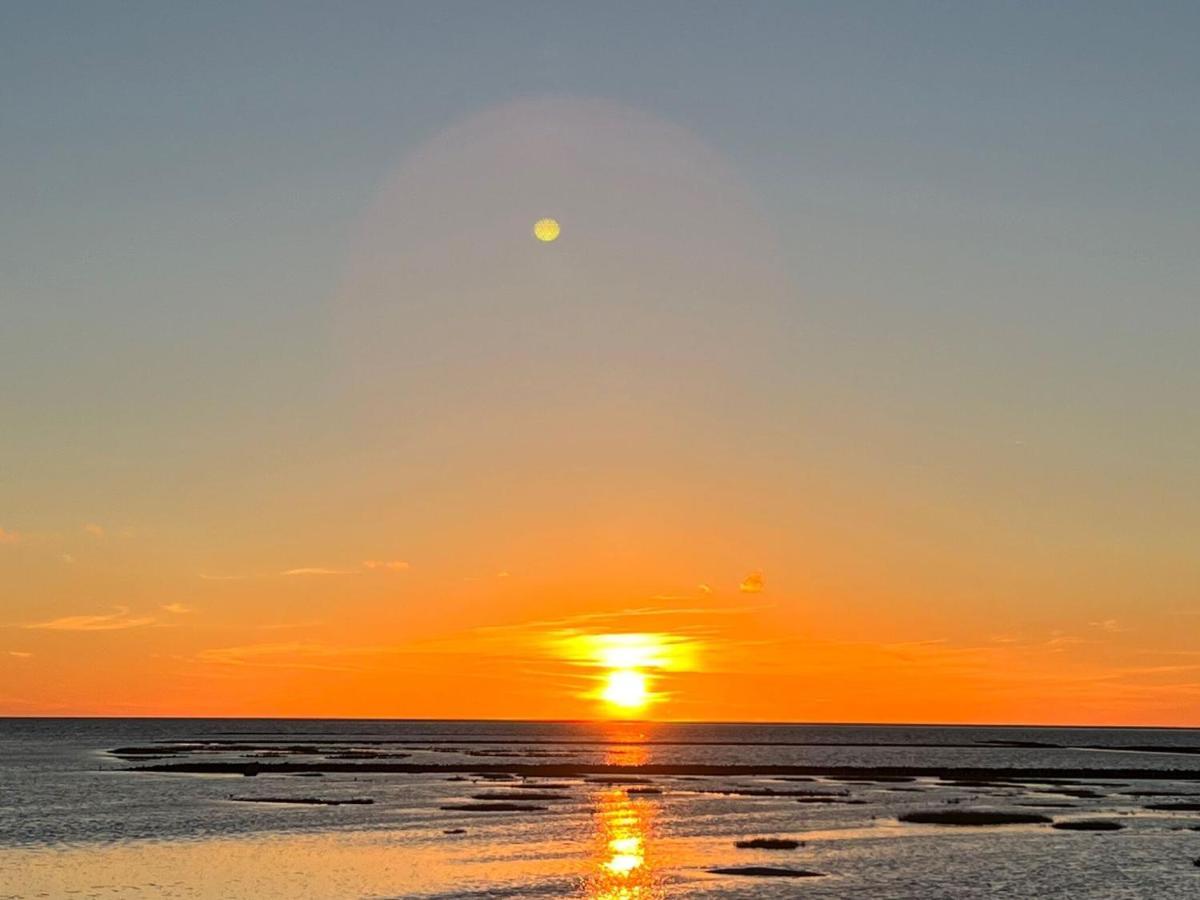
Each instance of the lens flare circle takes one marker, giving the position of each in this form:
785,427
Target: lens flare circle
546,230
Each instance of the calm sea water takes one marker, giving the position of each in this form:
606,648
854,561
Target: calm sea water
76,821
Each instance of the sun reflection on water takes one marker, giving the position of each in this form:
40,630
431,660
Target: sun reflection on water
623,867
625,744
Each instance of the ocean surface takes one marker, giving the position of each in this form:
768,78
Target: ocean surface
224,808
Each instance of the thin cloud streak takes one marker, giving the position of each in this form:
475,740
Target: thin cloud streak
114,621
394,565
316,570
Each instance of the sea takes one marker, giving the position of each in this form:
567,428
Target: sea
275,808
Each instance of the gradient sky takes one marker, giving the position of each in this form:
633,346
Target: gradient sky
864,373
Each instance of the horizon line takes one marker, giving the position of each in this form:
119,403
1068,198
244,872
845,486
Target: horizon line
599,721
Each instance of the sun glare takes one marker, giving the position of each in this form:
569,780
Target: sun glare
626,689
626,666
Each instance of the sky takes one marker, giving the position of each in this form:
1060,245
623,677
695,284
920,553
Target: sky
858,386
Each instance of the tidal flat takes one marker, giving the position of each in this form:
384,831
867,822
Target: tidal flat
165,808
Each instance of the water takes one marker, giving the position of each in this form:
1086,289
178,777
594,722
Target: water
76,821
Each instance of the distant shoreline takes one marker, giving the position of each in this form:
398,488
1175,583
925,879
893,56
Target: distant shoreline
598,722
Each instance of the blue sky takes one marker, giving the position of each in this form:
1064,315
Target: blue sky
1009,186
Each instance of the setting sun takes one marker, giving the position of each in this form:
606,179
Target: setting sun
622,667
626,689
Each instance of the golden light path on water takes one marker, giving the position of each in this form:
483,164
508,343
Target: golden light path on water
624,865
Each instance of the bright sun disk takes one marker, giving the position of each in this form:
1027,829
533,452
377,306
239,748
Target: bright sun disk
626,688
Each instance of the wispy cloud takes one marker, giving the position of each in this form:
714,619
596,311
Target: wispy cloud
178,609
1110,625
754,583
292,655
118,619
9,537
317,570
390,565
96,531
300,623
20,654
368,565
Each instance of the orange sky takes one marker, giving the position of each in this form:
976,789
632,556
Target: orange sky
485,450
348,638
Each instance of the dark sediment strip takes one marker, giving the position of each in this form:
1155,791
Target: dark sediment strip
972,817
765,872
1088,825
577,770
1174,807
306,801
768,844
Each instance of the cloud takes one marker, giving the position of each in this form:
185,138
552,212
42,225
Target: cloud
752,583
178,609
114,621
9,537
96,531
704,588
384,565
627,650
1060,639
291,655
1110,625
317,570
300,623
393,565
20,654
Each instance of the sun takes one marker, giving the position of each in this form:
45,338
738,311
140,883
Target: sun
626,690
546,230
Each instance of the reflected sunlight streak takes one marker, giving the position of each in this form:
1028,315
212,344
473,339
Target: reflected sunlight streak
622,867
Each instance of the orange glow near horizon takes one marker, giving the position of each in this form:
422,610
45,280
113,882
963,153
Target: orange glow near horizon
627,661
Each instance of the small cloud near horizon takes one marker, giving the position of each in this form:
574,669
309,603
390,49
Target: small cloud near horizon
9,537
96,531
754,583
178,609
20,654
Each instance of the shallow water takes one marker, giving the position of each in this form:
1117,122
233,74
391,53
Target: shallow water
75,821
